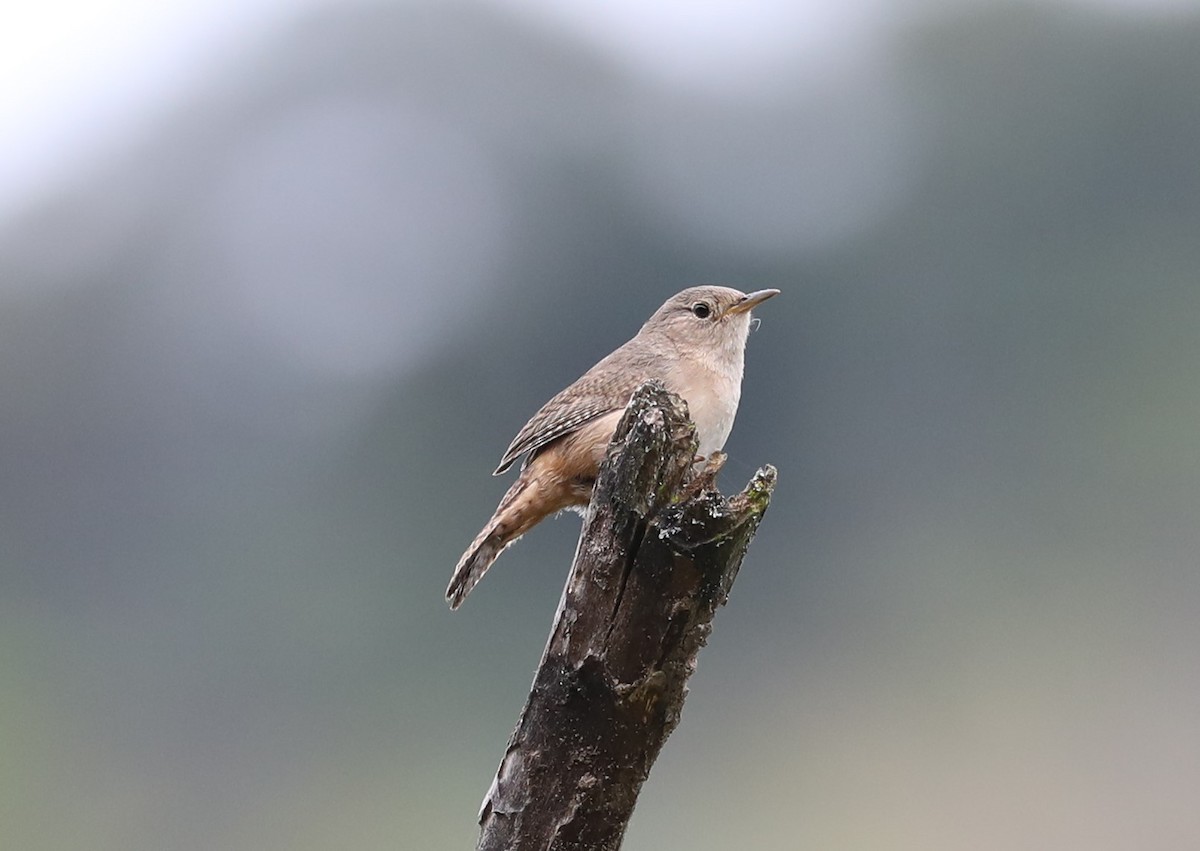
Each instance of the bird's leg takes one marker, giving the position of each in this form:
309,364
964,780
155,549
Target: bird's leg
706,479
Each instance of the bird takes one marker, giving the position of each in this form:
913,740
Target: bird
694,344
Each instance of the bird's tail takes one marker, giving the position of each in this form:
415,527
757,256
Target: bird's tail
525,503
471,567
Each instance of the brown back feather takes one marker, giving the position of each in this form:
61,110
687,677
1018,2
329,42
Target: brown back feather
597,392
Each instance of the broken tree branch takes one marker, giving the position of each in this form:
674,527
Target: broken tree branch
657,556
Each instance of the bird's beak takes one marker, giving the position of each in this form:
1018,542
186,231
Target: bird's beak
751,301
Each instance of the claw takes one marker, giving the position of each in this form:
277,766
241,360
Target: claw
706,479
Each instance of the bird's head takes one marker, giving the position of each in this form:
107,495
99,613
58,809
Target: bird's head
715,319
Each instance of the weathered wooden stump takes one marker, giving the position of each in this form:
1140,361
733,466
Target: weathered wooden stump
658,553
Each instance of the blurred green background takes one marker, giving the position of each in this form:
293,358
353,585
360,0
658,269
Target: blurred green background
286,283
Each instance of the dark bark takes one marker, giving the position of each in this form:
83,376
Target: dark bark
657,555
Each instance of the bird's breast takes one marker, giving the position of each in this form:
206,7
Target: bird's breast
712,403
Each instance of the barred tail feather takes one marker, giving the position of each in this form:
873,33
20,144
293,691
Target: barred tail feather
472,566
523,505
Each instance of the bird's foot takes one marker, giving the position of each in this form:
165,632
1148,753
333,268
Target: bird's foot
706,478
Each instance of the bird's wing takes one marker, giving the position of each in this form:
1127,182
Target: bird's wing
597,393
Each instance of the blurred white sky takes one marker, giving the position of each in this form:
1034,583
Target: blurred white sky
78,79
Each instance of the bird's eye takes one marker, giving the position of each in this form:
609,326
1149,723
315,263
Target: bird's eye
701,310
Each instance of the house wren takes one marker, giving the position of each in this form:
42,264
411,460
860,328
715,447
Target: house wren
694,344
